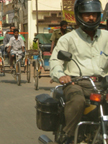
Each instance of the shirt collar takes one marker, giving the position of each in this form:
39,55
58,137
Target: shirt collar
18,38
61,32
85,35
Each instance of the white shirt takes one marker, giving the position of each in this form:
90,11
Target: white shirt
91,56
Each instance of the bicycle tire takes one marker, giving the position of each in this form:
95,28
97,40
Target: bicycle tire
18,73
28,72
36,75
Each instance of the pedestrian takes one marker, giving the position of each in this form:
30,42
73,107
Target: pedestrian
89,48
35,44
58,33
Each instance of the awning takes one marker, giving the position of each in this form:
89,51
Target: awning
44,38
2,37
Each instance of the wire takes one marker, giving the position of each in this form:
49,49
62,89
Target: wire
48,6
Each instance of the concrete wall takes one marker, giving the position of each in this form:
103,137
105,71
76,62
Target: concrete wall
48,5
31,25
103,3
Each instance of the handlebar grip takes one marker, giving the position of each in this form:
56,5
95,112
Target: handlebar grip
66,84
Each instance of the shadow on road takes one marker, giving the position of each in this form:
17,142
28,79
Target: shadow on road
1,75
13,81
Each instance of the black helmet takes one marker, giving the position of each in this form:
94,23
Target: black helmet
83,6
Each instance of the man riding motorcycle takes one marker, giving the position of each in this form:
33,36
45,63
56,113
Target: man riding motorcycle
88,46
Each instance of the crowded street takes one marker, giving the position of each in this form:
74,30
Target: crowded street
18,113
53,72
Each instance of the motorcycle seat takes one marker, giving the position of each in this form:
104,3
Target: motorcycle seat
58,93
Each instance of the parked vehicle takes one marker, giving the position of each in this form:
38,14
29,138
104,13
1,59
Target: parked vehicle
42,59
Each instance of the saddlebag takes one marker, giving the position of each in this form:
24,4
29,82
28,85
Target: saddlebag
46,112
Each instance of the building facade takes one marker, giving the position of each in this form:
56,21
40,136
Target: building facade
49,15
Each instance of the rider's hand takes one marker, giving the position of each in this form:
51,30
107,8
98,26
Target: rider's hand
8,50
23,50
65,79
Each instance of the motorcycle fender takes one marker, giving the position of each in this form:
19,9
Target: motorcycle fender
89,109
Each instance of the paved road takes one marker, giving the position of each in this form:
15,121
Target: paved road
17,110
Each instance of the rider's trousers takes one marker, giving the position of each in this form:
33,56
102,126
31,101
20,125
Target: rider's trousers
75,104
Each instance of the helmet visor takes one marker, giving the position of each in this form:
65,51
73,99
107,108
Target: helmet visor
91,6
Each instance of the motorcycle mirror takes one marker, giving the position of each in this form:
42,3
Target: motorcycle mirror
63,55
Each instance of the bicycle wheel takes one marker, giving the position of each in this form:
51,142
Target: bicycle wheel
36,75
28,72
18,73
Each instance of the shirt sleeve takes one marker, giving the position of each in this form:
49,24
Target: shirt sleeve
22,42
56,65
10,41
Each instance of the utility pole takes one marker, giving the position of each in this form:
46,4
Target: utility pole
61,11
37,16
16,10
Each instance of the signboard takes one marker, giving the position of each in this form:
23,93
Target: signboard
68,10
69,16
4,19
68,5
0,25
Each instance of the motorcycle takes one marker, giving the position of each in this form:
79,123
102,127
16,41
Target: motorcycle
93,128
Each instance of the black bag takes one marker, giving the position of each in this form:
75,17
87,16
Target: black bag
46,112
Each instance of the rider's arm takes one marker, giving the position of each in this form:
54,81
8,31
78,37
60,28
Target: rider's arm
52,39
23,48
57,66
9,48
52,46
22,44
5,40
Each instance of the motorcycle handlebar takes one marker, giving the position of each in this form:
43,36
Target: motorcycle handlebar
82,78
79,79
